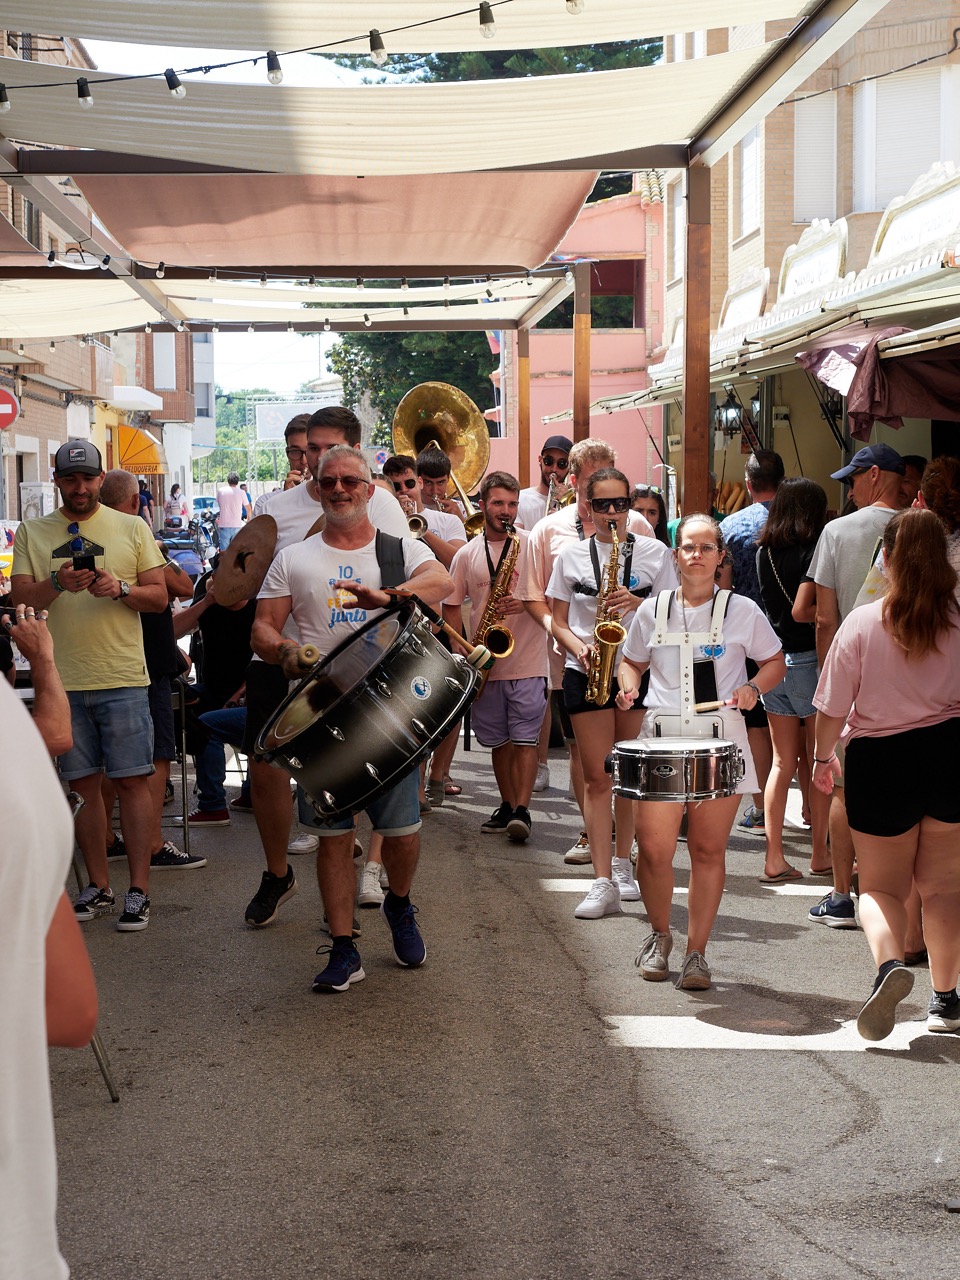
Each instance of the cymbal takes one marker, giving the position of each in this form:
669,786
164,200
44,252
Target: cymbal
244,564
318,525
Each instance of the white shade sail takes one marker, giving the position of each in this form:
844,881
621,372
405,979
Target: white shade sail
298,24
377,129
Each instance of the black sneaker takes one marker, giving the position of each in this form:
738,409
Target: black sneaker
498,821
169,858
272,894
93,902
520,825
116,850
944,1012
168,792
342,969
136,911
877,1018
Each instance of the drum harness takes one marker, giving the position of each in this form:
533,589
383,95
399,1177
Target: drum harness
692,723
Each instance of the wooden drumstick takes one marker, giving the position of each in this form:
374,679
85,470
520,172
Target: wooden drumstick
708,706
477,655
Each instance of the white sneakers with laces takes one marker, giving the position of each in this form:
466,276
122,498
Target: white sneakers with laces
603,899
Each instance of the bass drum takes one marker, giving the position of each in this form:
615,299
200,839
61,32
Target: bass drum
678,769
367,714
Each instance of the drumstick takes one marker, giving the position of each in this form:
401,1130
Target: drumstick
708,706
477,655
308,655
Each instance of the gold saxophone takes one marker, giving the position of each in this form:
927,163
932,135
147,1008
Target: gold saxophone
492,633
557,500
608,633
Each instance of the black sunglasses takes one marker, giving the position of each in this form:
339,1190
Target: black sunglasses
329,483
549,460
604,504
409,483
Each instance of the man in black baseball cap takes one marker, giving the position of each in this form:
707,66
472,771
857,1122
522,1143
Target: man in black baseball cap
552,461
78,458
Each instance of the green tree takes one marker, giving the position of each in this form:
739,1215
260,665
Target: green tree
231,451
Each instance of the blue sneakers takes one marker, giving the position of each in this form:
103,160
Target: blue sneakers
752,821
342,969
408,946
838,915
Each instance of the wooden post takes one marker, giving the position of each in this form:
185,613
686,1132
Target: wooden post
523,407
581,351
696,344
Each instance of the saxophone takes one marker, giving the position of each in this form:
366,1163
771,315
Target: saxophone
497,638
555,499
608,633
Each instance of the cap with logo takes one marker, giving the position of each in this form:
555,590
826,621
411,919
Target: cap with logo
78,457
873,455
560,443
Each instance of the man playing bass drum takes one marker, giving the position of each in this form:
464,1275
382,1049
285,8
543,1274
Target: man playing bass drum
509,712
330,585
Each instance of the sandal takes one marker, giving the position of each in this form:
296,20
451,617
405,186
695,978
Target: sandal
450,788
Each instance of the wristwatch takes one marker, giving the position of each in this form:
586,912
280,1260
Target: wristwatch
124,589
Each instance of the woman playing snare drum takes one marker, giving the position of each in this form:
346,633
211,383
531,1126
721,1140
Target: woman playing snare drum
693,623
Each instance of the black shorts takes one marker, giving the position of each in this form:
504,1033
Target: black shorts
575,694
922,765
756,717
267,687
566,727
160,697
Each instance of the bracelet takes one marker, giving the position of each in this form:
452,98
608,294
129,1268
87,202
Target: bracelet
56,583
751,685
830,757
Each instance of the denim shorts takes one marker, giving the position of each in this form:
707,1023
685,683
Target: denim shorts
510,711
112,733
395,813
793,696
160,697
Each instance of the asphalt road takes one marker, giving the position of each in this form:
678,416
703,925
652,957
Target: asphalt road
523,1106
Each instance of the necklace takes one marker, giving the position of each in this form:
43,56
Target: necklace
683,609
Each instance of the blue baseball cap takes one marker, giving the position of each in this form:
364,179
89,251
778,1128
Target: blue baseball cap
873,455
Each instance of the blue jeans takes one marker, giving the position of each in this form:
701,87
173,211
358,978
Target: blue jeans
227,536
224,726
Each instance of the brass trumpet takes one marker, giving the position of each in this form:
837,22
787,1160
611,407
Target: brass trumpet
417,524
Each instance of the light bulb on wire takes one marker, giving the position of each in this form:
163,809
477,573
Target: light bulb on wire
161,271
378,54
488,28
574,6
4,98
174,84
274,71
84,96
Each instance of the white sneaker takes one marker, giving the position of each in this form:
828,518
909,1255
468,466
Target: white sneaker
370,895
543,777
578,855
384,879
602,900
304,843
623,879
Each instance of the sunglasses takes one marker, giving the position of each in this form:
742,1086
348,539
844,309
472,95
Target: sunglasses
605,504
647,489
76,544
400,485
549,460
349,483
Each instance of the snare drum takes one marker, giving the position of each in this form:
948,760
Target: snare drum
367,714
678,769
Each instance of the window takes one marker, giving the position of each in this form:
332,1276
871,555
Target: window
750,182
896,135
815,158
678,221
203,397
164,362
699,49
31,223
677,45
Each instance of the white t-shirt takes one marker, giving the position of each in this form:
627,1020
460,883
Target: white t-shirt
306,572
651,566
747,633
443,525
33,867
531,508
296,511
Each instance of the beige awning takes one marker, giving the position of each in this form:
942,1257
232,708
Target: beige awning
406,25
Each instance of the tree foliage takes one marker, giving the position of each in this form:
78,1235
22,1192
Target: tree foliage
231,451
504,64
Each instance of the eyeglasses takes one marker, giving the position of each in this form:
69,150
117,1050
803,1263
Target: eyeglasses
704,548
295,453
549,460
349,483
76,543
605,504
400,485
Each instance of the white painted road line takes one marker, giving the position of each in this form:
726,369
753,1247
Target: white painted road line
796,889
578,885
655,1032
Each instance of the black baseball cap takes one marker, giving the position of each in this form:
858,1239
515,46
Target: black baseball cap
560,443
78,458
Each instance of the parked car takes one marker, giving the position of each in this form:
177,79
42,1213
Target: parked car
205,504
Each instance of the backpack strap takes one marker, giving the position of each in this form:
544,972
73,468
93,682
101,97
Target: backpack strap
389,552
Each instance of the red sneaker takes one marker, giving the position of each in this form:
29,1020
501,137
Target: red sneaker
209,818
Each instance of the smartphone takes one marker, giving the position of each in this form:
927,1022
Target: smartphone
85,562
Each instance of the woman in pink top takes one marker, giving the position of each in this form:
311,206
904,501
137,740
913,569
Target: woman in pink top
891,683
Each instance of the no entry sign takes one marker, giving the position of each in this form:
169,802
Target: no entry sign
9,408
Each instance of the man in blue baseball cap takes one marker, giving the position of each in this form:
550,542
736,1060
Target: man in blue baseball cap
879,457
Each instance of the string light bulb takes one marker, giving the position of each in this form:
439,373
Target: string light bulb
367,322
84,96
326,325
179,326
148,327
290,326
274,70
568,276
20,350
105,263
52,258
488,28
83,340
403,283
574,6
360,282
173,83
263,280
161,271
214,328
53,346
4,98
250,329
378,54
213,275
446,284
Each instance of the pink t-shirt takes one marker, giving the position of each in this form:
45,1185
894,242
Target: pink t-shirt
471,578
869,679
230,499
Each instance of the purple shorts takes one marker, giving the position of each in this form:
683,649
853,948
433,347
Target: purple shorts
510,711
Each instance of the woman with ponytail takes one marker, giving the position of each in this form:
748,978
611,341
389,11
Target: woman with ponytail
890,692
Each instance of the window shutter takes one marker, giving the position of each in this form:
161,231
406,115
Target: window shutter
908,131
815,158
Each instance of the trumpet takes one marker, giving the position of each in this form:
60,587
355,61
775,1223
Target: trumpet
417,524
490,632
557,500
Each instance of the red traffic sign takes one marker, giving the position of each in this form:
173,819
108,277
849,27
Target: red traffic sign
9,408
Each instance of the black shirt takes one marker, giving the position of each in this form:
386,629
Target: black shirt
791,564
226,647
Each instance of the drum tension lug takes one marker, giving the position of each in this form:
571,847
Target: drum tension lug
335,732
454,684
419,728
372,770
295,762
325,804
384,689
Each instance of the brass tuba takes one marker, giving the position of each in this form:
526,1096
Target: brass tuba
491,632
609,632
439,415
